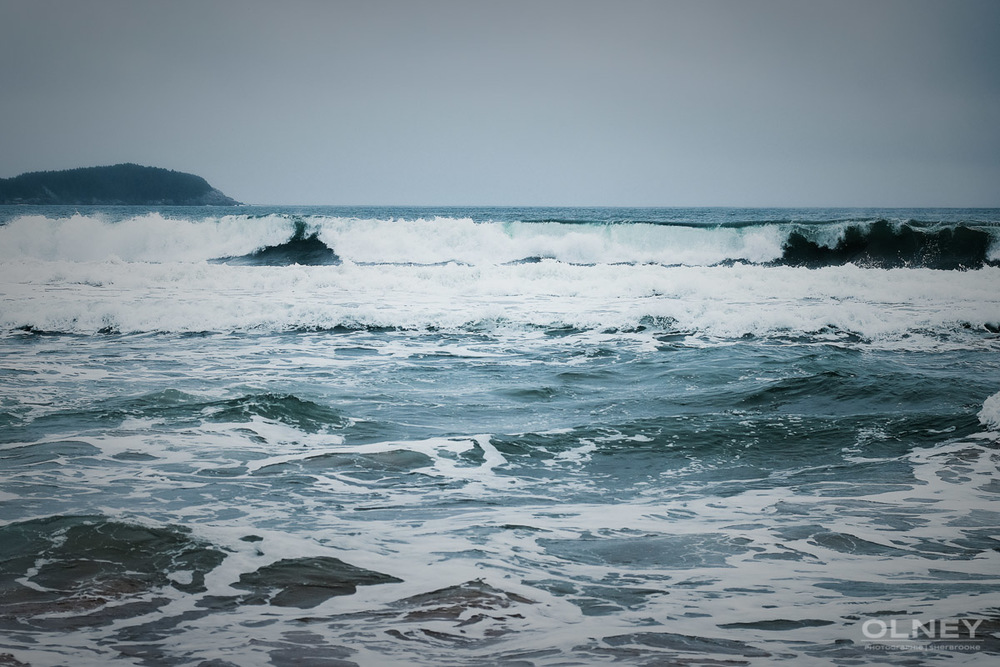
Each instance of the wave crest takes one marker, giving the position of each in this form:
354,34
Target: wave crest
284,239
989,416
302,249
885,246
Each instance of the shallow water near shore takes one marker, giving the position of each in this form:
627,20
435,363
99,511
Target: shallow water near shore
498,436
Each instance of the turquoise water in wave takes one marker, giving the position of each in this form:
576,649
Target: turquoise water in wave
375,436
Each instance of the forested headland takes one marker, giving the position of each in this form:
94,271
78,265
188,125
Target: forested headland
120,184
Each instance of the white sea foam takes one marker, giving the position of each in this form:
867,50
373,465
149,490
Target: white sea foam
85,274
462,240
989,416
154,238
147,238
86,297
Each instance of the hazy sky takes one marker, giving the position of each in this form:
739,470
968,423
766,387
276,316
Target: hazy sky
757,103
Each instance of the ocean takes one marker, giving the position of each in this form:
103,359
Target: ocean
499,436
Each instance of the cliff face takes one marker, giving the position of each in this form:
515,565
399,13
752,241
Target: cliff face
121,184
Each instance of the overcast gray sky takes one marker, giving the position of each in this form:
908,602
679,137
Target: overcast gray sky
755,102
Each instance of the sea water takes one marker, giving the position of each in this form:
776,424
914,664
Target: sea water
499,436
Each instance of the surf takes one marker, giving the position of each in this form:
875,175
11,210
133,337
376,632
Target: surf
483,237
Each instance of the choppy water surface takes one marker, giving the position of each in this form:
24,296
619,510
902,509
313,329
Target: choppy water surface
498,436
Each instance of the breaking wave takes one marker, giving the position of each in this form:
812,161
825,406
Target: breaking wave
716,273
282,239
883,245
302,248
